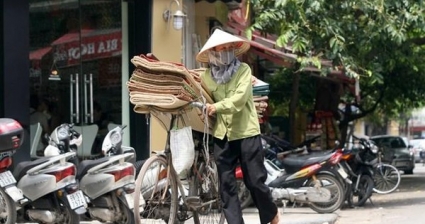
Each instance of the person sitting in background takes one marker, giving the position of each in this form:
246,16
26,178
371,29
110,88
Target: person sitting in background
38,115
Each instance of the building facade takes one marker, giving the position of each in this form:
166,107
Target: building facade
70,60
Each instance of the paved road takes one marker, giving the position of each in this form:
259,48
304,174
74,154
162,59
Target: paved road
406,205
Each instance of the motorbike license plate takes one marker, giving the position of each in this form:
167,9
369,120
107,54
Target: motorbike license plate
76,199
342,172
6,179
15,193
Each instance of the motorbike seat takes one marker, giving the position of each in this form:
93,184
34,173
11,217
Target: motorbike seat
294,163
22,167
85,165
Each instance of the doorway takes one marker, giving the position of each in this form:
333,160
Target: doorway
75,70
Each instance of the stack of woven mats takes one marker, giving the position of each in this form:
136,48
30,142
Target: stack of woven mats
261,91
160,88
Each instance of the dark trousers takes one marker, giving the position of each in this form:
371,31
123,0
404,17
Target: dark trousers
249,153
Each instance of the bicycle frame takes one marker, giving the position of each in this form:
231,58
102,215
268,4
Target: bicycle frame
170,169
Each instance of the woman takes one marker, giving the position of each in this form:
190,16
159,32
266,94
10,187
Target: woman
237,130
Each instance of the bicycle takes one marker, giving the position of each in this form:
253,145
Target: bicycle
386,177
177,202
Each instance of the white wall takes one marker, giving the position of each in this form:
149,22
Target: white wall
418,118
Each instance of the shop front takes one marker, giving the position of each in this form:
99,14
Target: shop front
72,67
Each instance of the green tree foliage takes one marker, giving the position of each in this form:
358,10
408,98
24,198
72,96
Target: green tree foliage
378,42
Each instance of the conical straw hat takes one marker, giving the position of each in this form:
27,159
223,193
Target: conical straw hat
220,37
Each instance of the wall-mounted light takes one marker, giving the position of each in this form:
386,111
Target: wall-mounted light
178,16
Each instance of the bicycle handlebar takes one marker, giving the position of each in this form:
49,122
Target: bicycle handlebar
198,105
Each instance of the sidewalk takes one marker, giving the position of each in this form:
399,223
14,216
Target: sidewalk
289,216
293,216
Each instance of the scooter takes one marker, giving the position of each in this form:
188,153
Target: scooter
47,190
11,138
108,182
307,178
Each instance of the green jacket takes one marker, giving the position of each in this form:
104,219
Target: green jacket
236,114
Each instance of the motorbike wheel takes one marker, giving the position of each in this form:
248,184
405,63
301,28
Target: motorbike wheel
363,193
336,188
8,207
127,216
68,215
244,194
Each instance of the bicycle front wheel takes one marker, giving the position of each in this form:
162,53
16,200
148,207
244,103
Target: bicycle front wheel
158,187
387,179
206,188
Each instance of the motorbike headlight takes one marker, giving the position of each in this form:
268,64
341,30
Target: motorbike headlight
115,138
77,141
62,133
374,149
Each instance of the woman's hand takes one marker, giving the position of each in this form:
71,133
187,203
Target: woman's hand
253,80
211,109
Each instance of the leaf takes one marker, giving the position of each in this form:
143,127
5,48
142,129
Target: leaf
299,45
280,3
248,33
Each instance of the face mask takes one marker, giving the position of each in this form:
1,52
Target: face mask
221,57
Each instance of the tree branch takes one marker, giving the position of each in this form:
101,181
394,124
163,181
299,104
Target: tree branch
348,117
418,41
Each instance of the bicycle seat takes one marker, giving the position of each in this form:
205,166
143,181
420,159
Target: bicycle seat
22,167
84,166
294,163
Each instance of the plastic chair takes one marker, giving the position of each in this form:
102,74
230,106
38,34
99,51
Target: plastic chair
89,133
35,137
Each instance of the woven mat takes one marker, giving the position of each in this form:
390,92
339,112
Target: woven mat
261,106
160,67
177,91
167,101
260,98
163,81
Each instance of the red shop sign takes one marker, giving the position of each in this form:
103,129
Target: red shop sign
95,44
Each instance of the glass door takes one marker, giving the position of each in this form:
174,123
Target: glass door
76,67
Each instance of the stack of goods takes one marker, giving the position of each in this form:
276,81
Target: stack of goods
330,130
261,91
157,86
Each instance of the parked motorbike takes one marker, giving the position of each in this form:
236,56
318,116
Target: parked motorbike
11,137
358,162
108,182
310,179
47,190
274,145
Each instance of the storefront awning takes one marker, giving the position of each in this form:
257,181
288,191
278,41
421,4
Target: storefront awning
94,44
38,54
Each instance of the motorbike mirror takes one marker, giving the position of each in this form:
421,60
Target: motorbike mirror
337,143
